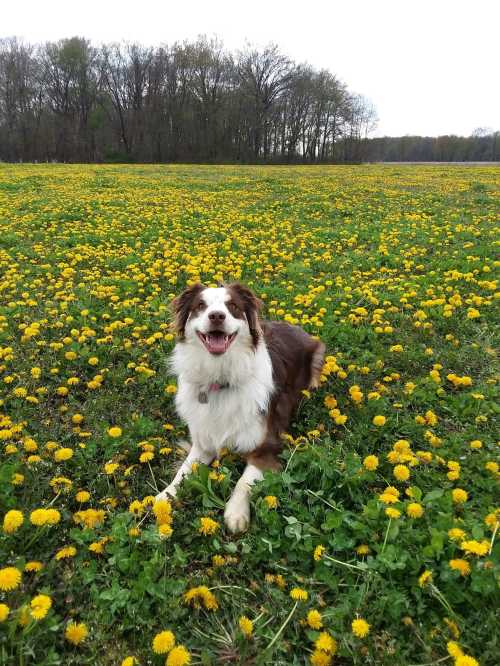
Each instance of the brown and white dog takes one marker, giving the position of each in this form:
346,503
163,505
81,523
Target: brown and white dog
239,382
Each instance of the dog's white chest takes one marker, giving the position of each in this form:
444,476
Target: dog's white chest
232,417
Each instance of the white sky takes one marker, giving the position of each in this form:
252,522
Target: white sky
429,66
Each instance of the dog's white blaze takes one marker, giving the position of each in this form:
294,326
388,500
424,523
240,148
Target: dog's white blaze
215,297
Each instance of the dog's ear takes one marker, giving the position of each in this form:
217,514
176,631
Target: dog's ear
251,307
182,306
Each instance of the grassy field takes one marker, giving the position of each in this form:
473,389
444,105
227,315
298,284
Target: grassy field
377,544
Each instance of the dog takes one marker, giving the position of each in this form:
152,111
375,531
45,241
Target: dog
240,380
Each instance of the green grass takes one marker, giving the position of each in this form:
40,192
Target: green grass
367,258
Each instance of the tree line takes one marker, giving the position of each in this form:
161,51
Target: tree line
195,101
482,146
71,101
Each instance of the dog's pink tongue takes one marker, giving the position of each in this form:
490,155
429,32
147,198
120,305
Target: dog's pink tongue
216,343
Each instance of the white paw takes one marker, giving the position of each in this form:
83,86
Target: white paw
170,491
237,515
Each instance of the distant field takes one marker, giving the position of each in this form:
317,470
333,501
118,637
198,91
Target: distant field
387,507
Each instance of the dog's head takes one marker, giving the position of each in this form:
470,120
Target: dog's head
217,317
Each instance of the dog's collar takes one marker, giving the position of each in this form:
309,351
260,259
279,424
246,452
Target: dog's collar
214,387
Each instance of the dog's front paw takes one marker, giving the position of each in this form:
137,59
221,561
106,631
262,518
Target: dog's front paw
169,492
237,515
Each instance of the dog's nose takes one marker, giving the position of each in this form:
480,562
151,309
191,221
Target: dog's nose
217,316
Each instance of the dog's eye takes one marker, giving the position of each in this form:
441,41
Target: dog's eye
233,308
201,306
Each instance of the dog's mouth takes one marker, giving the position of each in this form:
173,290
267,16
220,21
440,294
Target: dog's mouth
216,342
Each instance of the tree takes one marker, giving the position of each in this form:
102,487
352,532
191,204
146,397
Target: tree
263,78
70,84
21,100
194,101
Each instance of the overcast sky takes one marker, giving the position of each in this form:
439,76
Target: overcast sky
429,66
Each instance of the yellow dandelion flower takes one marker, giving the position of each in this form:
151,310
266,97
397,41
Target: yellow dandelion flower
165,531
454,649
129,661
330,402
326,643
33,566
218,560
492,520
298,594
163,642
179,656
414,510
40,606
425,578
97,547
17,479
401,473
146,456
196,594
12,521
392,513
466,660
370,463
456,534
63,454
460,565
271,501
136,508
65,553
4,612
10,577
162,510
76,633
90,517
459,496
360,627
319,658
41,517
474,547
314,619
208,526
390,495
246,626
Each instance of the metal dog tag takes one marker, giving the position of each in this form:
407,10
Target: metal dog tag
203,397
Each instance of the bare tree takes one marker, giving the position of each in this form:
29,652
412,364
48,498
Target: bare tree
264,77
21,100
